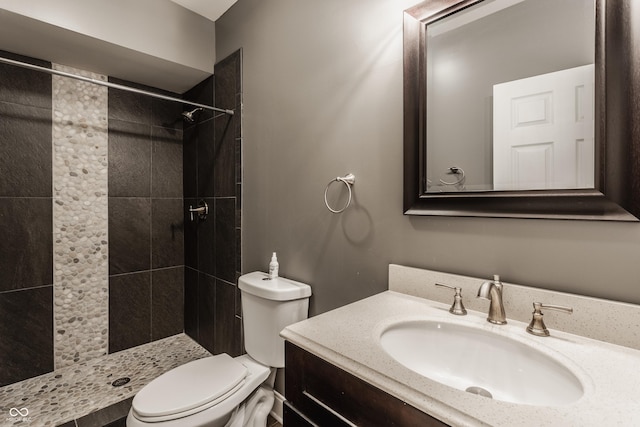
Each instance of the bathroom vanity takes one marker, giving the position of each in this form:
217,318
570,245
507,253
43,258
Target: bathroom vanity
319,393
343,370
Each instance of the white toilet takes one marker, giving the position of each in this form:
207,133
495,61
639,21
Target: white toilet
224,391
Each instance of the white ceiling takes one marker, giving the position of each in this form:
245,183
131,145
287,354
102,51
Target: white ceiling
130,47
210,9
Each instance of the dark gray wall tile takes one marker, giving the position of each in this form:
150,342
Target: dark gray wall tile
224,165
239,205
129,234
113,415
26,247
225,318
225,239
238,337
191,302
122,422
206,241
225,91
26,334
23,86
140,108
238,251
129,310
238,120
238,160
202,93
205,135
191,234
167,302
211,170
25,151
167,233
238,297
146,217
129,106
166,114
190,161
227,81
199,134
129,159
206,311
166,171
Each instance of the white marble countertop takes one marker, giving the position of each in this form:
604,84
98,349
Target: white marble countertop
348,337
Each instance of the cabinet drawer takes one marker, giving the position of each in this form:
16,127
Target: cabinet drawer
329,396
293,418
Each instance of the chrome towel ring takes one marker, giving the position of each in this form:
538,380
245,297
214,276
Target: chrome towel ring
347,180
455,171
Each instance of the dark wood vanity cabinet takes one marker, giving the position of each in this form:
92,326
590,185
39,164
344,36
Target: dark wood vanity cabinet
320,394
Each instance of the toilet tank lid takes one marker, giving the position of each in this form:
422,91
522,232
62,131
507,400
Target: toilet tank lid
278,289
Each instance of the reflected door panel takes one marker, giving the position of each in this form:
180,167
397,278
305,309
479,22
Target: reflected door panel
543,131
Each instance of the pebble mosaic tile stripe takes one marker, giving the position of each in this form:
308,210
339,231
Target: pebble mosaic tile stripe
81,298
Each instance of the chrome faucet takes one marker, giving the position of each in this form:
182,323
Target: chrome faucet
492,290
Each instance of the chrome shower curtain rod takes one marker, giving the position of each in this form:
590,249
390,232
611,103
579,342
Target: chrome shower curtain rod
111,85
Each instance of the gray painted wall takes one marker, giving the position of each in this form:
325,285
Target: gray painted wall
323,97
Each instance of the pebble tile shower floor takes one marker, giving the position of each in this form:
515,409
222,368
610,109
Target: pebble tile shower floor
75,391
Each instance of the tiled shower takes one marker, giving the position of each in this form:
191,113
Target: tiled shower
98,253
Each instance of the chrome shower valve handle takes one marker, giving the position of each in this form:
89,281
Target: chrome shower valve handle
202,210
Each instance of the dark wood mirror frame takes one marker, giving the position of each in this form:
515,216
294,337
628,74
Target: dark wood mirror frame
617,128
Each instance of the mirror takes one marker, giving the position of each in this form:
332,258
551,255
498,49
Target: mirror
513,109
510,96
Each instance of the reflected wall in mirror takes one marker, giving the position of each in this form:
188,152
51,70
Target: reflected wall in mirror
522,108
510,96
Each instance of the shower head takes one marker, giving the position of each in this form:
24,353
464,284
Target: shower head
189,115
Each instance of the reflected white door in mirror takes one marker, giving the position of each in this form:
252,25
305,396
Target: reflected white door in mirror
543,131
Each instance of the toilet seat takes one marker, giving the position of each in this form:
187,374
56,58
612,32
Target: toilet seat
208,414
189,389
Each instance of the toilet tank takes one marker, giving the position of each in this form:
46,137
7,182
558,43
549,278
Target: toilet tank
268,306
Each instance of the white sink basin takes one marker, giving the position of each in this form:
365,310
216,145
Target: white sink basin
481,362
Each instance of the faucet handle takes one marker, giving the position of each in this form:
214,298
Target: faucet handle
537,326
457,307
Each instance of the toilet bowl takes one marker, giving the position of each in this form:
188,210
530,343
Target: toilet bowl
204,392
220,390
